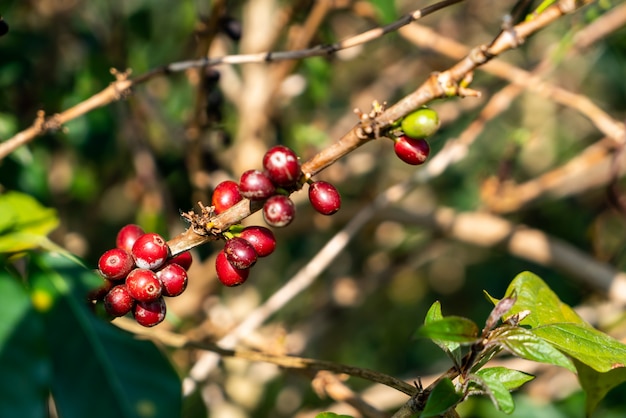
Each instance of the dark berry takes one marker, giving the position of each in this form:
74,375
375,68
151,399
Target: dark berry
225,195
127,236
240,253
282,165
150,313
324,197
256,185
115,264
279,211
227,274
143,285
150,251
183,259
173,278
231,27
261,238
118,301
211,77
4,27
421,123
411,151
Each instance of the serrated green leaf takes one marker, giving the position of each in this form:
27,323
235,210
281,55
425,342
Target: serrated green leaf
450,329
331,415
24,223
586,344
98,369
26,370
596,385
525,344
545,307
443,397
452,349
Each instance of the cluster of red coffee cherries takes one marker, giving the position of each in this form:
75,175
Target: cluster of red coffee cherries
138,273
281,175
411,145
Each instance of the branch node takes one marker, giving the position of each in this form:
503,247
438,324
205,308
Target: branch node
40,120
51,124
369,126
201,224
121,76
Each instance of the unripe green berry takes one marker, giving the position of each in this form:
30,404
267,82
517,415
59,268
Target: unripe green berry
420,124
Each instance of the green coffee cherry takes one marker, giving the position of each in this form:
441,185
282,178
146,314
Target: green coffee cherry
420,124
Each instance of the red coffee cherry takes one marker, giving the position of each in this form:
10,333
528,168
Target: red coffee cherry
324,197
411,151
279,211
150,251
127,236
256,185
115,264
143,285
150,313
118,301
173,277
261,238
240,253
227,274
183,259
225,195
282,165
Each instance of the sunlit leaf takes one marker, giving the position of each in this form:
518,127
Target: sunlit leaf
443,397
586,344
498,394
24,223
510,379
450,329
545,307
523,343
452,349
499,381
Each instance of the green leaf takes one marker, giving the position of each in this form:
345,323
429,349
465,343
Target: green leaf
452,349
98,369
596,385
331,415
498,394
24,223
525,344
443,397
586,344
26,370
510,379
498,381
545,307
450,329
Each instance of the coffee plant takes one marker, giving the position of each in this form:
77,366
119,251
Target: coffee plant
312,209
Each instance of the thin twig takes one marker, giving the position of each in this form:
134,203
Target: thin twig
174,340
121,88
